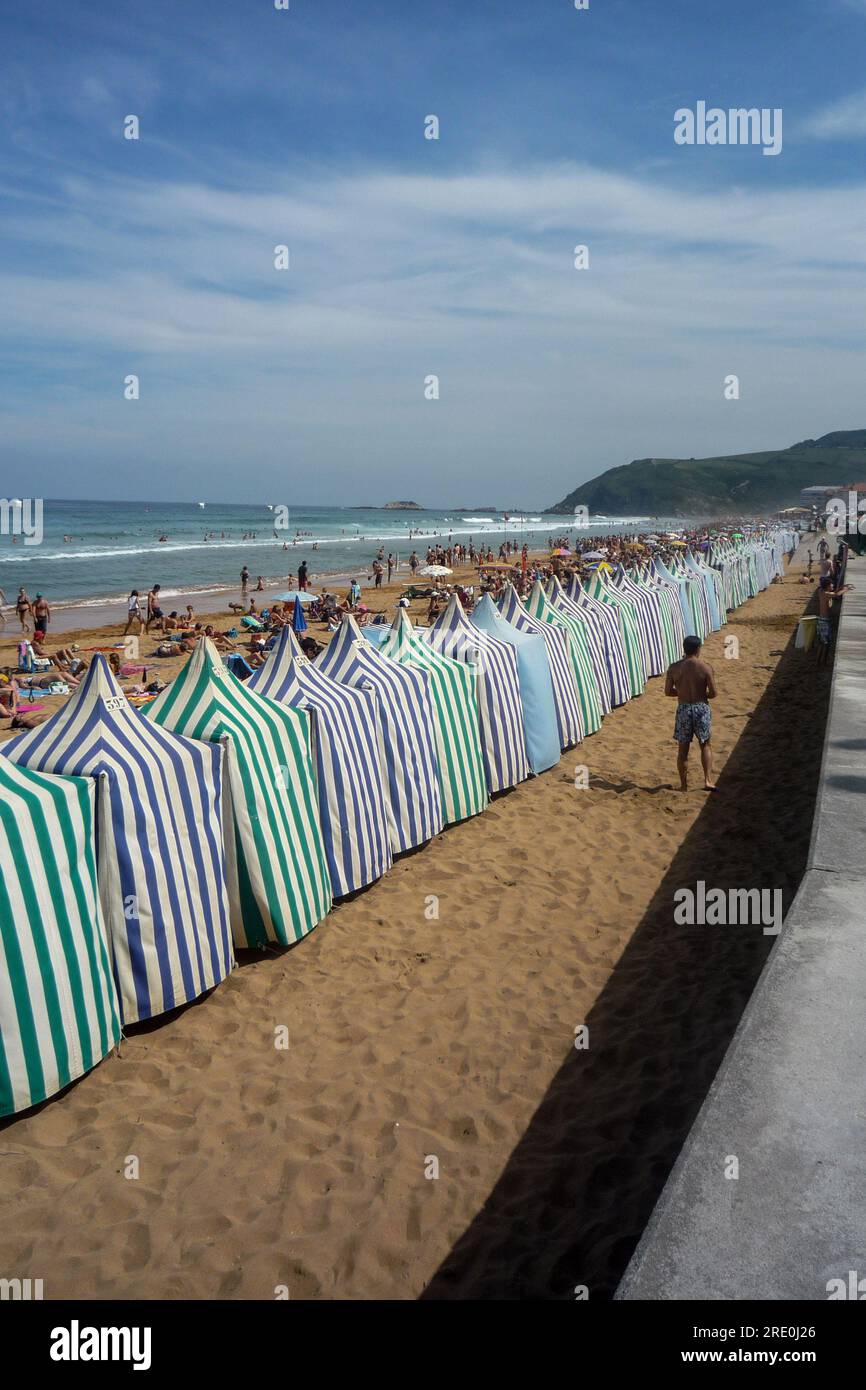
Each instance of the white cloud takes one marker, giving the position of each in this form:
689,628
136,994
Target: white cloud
841,120
395,276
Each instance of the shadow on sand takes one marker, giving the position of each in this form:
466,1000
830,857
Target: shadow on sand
578,1189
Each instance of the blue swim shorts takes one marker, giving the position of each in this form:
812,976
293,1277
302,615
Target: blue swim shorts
693,720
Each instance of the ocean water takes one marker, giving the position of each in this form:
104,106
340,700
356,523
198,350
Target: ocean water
115,546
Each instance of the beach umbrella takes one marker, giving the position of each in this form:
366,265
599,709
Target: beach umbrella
296,596
435,570
163,876
594,555
278,877
349,779
565,693
407,738
457,721
536,686
503,742
299,622
58,1006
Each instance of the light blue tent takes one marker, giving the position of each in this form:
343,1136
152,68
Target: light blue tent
536,688
565,693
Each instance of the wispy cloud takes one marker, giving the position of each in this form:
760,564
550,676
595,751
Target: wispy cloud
394,276
842,119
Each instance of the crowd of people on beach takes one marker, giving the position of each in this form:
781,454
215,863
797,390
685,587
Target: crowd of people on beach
256,624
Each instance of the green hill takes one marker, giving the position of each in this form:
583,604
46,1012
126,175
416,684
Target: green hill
741,484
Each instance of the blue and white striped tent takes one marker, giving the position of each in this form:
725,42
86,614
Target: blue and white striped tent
540,726
565,694
595,633
689,602
585,679
697,596
707,578
648,605
671,609
58,1006
345,738
161,862
407,737
614,644
503,742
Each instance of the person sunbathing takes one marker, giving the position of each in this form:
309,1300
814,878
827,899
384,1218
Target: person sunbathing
72,664
8,697
222,642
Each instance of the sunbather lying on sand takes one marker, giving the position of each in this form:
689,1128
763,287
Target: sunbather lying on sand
8,697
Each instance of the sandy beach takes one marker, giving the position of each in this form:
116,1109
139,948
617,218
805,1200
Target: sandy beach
421,1045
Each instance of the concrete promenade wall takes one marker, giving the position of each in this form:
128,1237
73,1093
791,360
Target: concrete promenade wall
789,1100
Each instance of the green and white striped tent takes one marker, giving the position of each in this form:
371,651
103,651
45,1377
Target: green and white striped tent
454,696
279,886
540,606
58,1006
635,661
669,610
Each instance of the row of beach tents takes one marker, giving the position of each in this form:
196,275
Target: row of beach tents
140,850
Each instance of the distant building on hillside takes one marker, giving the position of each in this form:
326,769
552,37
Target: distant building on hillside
821,492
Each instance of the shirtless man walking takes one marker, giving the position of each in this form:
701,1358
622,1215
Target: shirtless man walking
692,683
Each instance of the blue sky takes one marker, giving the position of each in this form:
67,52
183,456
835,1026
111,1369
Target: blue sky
412,257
